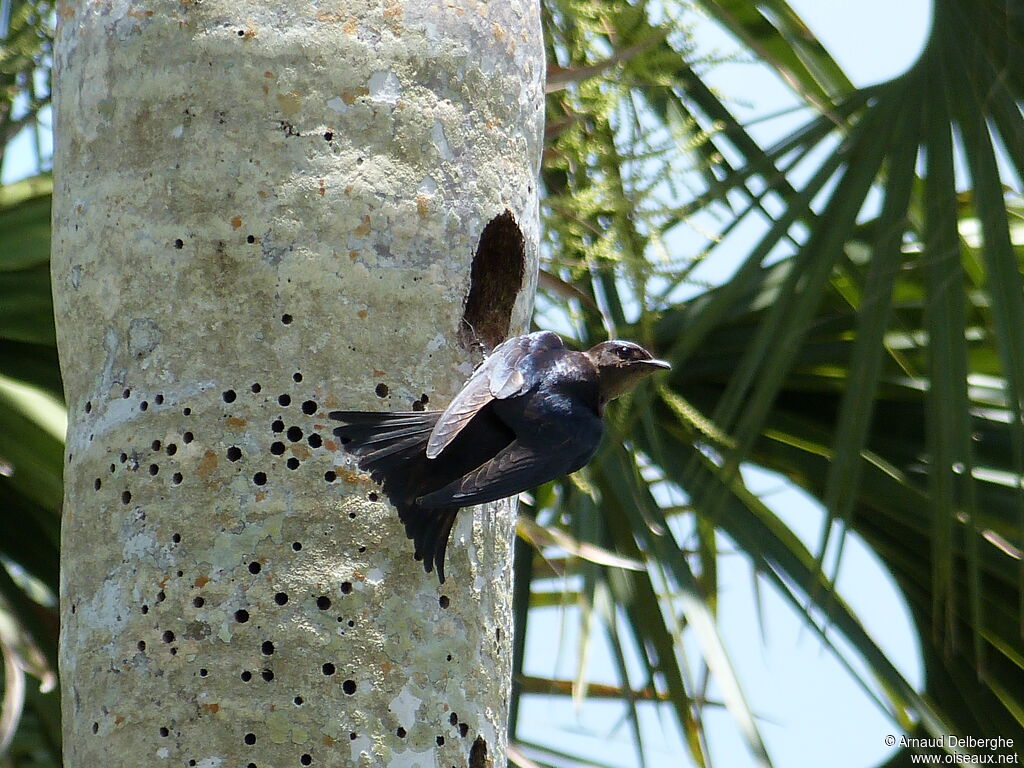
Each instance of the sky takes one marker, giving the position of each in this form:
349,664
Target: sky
810,711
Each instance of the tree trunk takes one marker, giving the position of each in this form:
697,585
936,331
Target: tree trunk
264,211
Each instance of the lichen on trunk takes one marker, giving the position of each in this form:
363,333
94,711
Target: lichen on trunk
262,212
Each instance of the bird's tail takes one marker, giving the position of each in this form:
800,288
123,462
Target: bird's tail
392,448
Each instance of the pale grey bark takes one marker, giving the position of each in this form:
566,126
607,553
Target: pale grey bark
264,211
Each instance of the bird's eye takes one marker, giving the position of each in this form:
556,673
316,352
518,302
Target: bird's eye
624,353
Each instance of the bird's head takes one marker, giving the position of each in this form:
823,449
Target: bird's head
621,365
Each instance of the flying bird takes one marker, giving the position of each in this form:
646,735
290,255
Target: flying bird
530,412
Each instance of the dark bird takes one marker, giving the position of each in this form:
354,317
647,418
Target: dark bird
531,412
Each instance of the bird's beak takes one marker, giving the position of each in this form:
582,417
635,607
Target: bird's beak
656,363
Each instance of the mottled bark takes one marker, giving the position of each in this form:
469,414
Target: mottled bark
264,211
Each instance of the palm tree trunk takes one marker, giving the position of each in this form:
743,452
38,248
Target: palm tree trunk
263,212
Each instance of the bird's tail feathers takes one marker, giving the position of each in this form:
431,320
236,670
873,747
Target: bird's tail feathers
429,530
386,442
392,448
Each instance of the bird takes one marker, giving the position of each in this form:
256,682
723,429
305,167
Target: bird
530,412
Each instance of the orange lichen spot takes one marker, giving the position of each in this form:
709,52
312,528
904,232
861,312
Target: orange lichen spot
497,31
393,12
350,477
351,26
290,103
262,194
207,464
330,445
268,73
300,451
202,581
421,205
353,255
236,222
249,33
348,189
378,374
66,10
118,719
331,401
235,424
362,313
211,708
261,495
364,229
321,187
328,741
385,667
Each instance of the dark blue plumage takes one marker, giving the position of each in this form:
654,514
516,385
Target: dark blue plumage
530,413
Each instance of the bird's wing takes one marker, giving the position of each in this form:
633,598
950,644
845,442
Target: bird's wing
500,376
516,468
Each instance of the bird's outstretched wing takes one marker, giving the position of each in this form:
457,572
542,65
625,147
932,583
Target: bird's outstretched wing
516,468
509,371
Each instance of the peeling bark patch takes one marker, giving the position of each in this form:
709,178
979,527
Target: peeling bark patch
495,281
